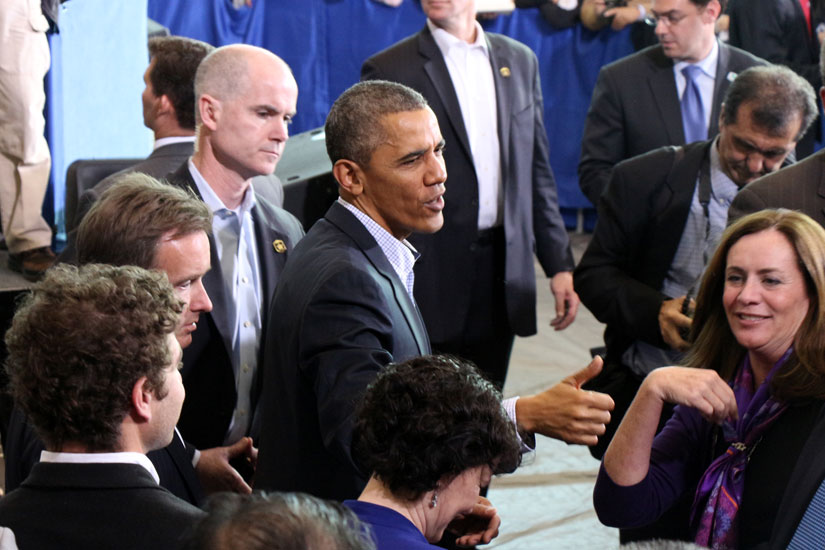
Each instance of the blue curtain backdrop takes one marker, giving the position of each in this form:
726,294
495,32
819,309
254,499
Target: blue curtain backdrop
325,42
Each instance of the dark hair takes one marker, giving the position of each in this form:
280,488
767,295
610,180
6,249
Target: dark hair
429,418
704,4
277,521
776,94
176,60
125,226
804,372
79,343
355,124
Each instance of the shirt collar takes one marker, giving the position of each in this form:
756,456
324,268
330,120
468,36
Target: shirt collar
445,41
708,64
212,200
102,458
722,186
162,142
375,228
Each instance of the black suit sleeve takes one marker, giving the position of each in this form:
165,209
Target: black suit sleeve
345,335
774,31
603,141
604,278
746,202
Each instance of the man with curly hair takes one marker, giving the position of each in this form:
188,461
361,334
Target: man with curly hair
141,221
93,361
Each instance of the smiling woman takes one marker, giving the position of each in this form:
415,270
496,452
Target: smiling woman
748,398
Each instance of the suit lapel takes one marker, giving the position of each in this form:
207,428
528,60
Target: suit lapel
499,58
439,76
663,85
266,235
821,190
349,224
720,88
672,206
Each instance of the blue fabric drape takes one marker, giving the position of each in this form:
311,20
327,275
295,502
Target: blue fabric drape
326,41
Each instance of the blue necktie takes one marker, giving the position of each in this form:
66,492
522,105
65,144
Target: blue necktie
810,533
693,115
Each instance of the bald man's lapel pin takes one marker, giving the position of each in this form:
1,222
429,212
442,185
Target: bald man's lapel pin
279,246
505,72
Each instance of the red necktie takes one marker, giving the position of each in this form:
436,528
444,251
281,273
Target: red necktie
806,11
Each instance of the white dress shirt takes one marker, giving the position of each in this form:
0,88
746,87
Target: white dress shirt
472,79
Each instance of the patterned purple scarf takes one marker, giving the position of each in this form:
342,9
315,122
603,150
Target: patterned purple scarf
714,516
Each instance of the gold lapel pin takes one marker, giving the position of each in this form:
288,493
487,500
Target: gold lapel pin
279,246
505,72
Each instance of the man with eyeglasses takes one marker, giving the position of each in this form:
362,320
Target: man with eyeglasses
660,219
641,102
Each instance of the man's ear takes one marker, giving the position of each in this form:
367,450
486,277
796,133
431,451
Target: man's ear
141,400
210,110
713,10
165,106
349,176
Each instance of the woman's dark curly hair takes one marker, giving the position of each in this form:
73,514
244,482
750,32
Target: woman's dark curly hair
429,418
79,343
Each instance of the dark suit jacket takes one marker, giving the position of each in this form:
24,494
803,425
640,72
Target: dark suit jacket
173,463
798,187
641,217
207,371
805,479
635,109
532,222
102,506
776,31
339,315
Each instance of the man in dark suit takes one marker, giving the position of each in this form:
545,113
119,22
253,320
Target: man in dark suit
798,187
118,396
245,98
142,222
344,306
782,32
476,278
168,110
661,217
636,101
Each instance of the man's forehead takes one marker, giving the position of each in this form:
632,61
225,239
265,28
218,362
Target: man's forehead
664,6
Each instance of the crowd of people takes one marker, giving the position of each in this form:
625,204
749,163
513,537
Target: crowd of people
195,345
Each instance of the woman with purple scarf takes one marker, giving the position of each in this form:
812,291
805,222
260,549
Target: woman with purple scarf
750,392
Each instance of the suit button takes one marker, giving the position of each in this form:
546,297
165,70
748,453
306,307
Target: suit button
473,247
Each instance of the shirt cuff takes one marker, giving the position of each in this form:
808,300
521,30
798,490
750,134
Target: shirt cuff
526,439
196,458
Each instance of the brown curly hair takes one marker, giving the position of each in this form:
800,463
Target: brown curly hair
80,341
